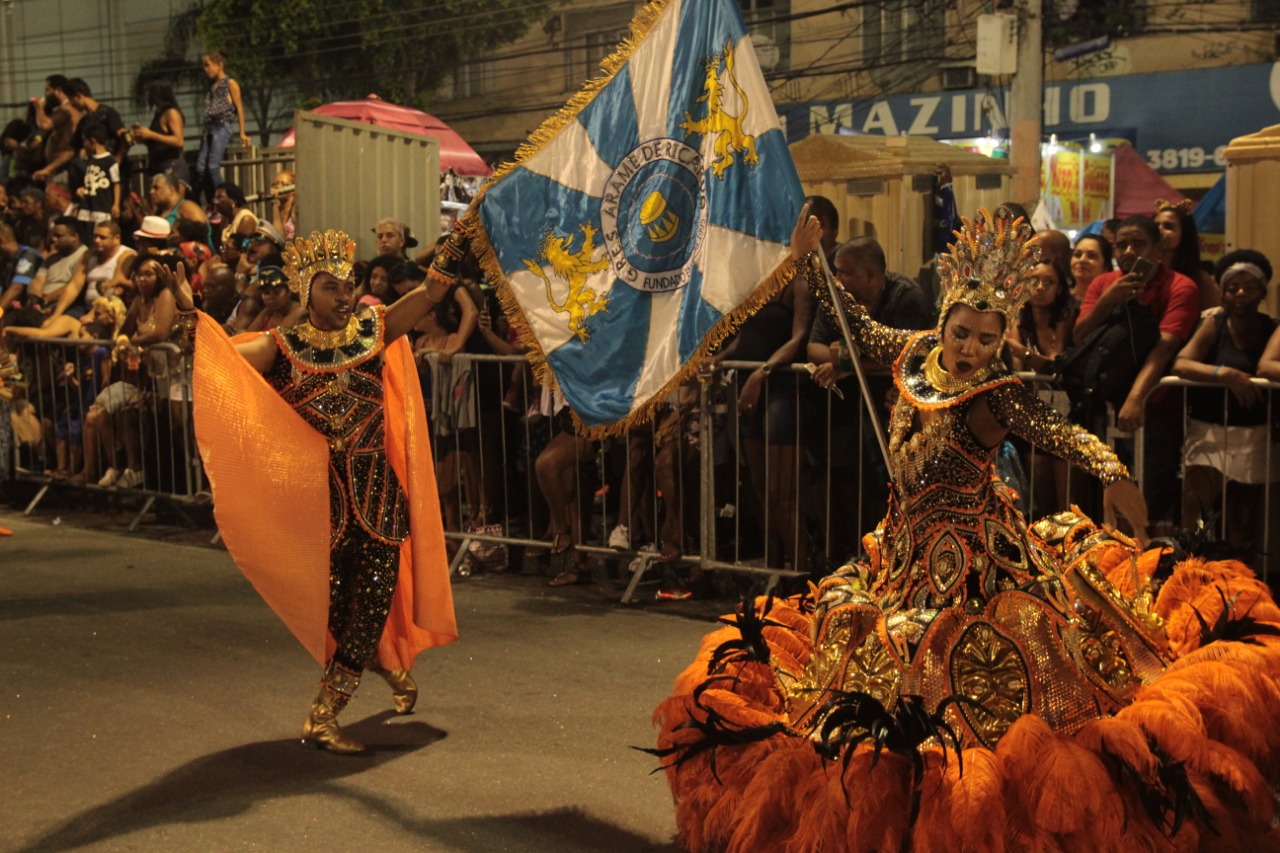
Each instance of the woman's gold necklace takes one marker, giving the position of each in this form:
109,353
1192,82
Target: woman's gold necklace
945,382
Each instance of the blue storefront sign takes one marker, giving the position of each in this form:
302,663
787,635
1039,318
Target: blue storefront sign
1180,120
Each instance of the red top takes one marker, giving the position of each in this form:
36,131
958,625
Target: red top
1171,296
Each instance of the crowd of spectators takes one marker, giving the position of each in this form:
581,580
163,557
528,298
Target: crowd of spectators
80,260
800,474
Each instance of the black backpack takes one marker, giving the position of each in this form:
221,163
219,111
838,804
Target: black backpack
1102,368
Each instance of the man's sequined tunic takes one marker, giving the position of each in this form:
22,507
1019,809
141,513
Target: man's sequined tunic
338,391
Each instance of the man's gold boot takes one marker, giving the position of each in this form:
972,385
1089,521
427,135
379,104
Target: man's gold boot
404,690
321,729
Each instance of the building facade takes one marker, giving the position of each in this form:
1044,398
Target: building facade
105,42
1190,77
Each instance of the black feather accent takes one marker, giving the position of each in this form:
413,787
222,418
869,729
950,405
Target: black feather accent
1168,803
1242,629
852,717
1181,798
716,732
750,645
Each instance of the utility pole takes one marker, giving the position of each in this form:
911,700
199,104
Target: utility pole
1026,106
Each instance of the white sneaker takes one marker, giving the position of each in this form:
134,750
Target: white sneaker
620,538
130,479
109,479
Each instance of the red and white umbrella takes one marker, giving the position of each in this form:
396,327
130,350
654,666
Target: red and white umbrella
455,153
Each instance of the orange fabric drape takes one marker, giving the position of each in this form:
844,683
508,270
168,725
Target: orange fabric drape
268,471
422,611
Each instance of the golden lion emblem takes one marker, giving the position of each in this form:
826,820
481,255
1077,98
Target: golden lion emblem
730,137
573,268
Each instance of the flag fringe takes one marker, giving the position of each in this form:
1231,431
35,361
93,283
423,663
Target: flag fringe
781,276
488,258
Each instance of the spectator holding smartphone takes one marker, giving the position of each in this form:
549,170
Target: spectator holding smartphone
1148,311
1171,297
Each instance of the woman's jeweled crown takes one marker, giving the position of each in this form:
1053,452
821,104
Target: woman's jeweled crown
988,264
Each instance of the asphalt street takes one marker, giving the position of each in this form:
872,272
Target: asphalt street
149,700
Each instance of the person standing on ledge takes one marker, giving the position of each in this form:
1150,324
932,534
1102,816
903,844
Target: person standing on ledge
337,432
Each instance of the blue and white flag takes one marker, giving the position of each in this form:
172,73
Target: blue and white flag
645,221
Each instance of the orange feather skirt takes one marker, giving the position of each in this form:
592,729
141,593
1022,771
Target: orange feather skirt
1178,758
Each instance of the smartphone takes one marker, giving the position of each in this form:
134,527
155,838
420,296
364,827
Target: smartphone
1143,269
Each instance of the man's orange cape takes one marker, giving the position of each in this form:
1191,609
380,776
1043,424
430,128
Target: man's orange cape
269,474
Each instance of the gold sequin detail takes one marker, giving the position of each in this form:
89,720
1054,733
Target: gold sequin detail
1103,649
987,668
1030,418
873,670
331,352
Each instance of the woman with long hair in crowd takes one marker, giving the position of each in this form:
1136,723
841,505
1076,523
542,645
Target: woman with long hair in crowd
1180,249
113,419
1043,330
1227,429
1042,333
977,681
165,137
376,282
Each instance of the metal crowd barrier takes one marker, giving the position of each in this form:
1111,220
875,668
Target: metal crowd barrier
831,507
733,486
1148,451
137,418
253,169
660,453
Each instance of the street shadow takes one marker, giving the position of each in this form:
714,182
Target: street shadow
231,782
227,784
